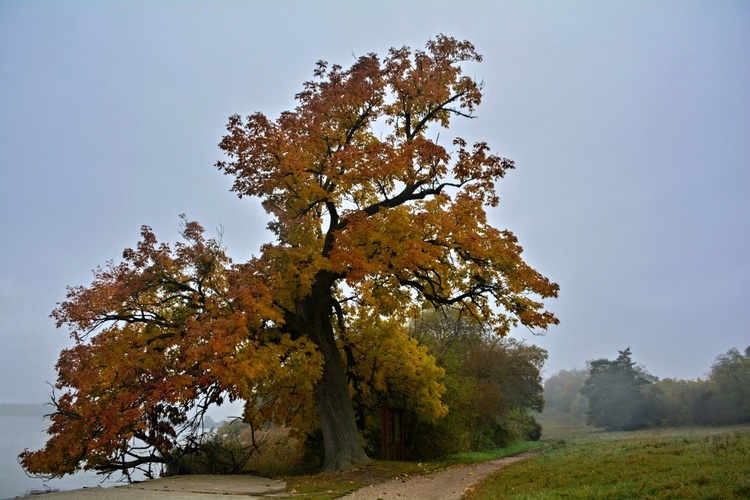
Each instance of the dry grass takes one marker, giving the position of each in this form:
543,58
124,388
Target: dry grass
279,454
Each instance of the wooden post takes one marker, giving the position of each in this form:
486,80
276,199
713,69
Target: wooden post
392,431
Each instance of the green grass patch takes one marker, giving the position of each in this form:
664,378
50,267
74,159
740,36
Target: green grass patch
561,425
329,485
473,457
676,463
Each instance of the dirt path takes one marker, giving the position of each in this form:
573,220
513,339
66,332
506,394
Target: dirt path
449,484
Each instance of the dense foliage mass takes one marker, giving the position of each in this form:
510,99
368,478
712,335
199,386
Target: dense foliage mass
562,393
493,386
614,389
374,221
619,395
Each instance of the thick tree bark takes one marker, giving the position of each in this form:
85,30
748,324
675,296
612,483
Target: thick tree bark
340,435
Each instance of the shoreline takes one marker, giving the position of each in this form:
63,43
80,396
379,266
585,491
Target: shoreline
197,487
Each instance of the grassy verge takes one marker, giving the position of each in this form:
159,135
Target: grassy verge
329,485
681,463
560,425
474,457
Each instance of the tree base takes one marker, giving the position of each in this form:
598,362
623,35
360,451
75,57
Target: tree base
346,459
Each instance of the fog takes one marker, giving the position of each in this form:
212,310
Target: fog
628,122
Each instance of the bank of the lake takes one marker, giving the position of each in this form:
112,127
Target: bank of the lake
24,426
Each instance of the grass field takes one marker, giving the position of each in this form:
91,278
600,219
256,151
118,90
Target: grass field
674,463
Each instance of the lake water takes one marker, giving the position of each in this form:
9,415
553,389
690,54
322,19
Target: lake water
17,433
29,431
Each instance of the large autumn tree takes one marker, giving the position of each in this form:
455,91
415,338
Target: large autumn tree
375,218
369,208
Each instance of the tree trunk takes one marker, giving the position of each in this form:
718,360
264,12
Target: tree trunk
340,435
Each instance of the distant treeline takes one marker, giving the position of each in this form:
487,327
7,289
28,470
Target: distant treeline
21,410
41,410
622,395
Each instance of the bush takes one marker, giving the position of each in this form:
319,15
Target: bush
214,454
237,449
279,454
438,439
491,386
518,426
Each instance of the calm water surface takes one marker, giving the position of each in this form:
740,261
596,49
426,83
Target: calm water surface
29,431
17,433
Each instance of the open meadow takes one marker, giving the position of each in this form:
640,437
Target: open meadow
662,463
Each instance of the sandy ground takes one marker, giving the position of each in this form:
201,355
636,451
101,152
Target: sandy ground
449,484
198,487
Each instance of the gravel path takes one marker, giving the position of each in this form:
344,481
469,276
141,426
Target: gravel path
449,484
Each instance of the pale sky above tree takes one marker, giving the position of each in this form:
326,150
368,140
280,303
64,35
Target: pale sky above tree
628,122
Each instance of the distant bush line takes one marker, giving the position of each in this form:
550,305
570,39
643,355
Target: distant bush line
23,410
622,395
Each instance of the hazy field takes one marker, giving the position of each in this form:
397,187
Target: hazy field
667,463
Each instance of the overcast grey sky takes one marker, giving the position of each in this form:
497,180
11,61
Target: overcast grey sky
629,123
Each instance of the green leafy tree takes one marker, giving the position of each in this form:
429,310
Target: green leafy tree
730,374
614,389
492,386
674,402
562,392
